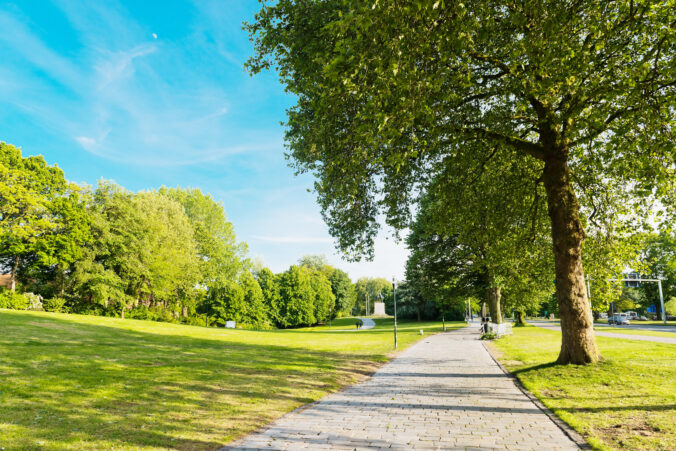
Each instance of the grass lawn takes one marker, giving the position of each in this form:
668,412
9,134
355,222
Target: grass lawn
626,401
623,330
87,382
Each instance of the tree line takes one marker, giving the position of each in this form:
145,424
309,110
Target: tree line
168,254
527,120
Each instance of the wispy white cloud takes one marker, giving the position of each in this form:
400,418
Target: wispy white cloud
169,108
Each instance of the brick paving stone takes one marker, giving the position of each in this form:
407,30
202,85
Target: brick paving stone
444,392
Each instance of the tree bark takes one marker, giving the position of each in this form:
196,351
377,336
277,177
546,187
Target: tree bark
518,318
15,268
578,343
494,296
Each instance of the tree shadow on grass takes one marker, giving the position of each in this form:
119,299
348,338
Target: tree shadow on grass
67,382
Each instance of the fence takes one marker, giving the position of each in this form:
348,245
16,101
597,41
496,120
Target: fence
500,329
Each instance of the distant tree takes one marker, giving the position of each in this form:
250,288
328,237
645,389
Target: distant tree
324,299
48,272
296,306
343,291
169,252
221,256
410,303
228,303
268,283
659,260
317,262
143,247
255,311
391,93
670,306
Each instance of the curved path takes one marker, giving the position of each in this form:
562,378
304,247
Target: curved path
368,323
445,392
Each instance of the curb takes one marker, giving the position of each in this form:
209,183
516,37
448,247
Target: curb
569,431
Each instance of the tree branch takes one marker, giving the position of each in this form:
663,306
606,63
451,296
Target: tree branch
532,149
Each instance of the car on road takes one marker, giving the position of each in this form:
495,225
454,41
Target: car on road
619,319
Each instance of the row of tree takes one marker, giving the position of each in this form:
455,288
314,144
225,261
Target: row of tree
168,254
525,117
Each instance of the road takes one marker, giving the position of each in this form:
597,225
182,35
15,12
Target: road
554,325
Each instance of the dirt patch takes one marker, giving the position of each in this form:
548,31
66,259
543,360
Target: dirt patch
547,393
619,433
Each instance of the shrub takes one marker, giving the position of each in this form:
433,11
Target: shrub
13,300
53,304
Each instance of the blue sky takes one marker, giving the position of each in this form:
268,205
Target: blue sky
151,93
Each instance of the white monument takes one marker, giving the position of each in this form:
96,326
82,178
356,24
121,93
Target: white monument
379,309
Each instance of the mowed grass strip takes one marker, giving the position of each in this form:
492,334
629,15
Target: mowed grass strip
623,330
86,382
626,401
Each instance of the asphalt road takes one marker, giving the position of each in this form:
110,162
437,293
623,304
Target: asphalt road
554,325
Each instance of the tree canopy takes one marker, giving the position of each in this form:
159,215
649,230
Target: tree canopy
391,94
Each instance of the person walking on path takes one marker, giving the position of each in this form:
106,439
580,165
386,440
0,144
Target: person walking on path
444,392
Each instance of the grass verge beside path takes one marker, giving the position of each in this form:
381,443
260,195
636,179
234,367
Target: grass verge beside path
623,330
87,382
626,401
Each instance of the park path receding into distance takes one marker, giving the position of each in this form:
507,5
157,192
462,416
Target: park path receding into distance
368,323
444,392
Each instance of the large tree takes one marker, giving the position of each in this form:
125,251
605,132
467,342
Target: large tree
29,190
221,257
392,92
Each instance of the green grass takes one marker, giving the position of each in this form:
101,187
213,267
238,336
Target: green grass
86,382
622,330
626,401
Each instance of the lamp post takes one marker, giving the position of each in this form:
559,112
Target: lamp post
394,296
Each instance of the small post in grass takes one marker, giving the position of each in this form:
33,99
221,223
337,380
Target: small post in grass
443,322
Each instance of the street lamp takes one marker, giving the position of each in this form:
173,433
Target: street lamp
394,295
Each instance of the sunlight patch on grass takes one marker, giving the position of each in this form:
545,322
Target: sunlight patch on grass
85,382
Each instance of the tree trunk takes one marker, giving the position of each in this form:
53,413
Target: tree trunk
15,268
578,344
518,318
494,295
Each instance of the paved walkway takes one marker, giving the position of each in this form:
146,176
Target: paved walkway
368,323
445,392
619,334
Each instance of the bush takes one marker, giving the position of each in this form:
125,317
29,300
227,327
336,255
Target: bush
670,306
53,304
13,300
151,314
